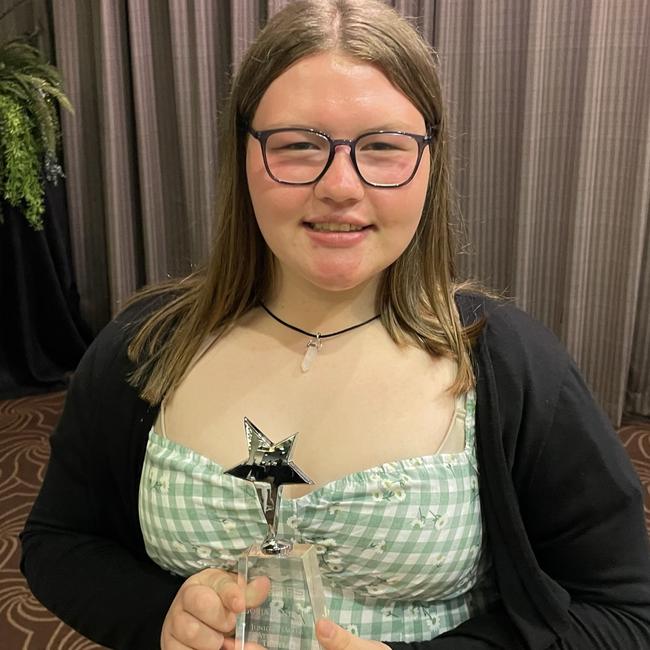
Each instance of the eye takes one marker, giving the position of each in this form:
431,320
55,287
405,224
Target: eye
379,146
299,146
296,141
386,143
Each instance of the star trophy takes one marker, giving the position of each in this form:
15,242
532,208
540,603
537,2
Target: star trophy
286,619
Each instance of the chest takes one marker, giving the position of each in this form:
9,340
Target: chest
364,402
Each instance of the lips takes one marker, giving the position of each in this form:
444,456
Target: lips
336,234
334,227
336,223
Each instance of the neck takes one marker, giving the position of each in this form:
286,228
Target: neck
315,309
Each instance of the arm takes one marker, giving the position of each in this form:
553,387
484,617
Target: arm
583,510
81,557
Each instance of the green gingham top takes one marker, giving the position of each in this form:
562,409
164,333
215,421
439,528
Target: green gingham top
400,545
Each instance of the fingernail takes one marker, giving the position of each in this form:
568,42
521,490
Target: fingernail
326,628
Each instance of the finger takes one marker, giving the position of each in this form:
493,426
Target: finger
257,591
218,599
231,589
232,595
193,633
172,644
204,604
333,637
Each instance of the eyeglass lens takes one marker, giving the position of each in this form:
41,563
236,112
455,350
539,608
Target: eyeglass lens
298,156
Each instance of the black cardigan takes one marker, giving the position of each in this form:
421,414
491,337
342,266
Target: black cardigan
562,504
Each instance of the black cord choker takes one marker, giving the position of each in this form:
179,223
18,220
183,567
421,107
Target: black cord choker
314,344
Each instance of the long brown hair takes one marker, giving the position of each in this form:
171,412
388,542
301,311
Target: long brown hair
416,295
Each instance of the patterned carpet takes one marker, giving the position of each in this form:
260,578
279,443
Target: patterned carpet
24,428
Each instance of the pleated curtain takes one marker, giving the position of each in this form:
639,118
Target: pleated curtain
550,109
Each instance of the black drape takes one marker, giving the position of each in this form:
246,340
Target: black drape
42,336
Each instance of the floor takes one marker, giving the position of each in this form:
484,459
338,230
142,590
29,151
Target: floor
25,425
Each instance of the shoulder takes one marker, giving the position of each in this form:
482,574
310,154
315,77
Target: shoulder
520,366
512,338
138,309
107,355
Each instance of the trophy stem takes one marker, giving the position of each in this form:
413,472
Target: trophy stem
271,544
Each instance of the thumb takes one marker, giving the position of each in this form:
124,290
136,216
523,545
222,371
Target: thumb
331,636
257,591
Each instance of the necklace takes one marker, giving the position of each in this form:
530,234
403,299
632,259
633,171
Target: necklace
315,339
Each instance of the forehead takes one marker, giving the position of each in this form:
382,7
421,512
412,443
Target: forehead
336,93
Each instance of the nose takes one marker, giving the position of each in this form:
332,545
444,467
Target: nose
340,182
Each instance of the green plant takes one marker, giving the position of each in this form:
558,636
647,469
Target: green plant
30,90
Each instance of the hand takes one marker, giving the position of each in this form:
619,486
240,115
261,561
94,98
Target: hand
333,637
205,610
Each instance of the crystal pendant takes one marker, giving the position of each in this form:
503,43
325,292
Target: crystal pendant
313,345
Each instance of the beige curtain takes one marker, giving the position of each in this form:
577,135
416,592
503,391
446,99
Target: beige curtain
146,78
550,102
551,107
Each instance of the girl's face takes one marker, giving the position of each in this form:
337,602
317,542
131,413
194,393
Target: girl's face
304,225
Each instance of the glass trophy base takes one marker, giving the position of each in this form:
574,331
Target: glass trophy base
286,619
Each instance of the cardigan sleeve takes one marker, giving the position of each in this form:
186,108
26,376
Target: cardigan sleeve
583,509
82,565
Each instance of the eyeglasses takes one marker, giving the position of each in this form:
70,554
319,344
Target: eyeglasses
302,156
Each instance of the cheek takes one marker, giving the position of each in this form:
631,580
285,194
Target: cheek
260,186
274,202
255,171
418,193
406,204
253,157
278,209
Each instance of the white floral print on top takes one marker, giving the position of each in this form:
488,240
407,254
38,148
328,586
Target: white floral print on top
400,546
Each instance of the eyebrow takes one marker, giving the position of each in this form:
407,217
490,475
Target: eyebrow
393,126
385,126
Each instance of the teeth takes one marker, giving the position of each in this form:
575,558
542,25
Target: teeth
335,227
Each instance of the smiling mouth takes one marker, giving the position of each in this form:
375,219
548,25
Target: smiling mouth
334,227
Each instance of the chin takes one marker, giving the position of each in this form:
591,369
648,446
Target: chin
342,283
346,276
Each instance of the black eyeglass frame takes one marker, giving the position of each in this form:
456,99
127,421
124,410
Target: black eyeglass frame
422,142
